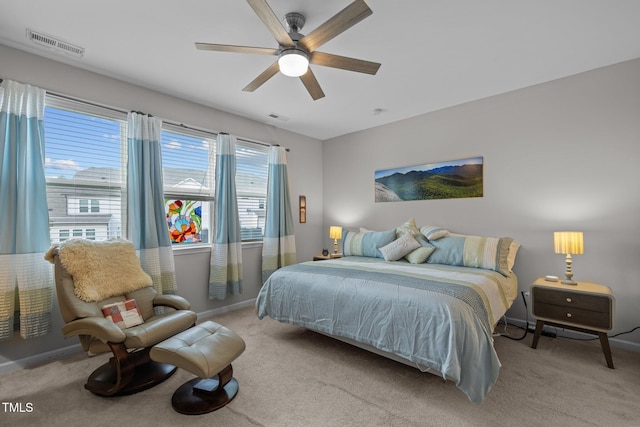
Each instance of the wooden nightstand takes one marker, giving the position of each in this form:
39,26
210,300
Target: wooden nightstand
585,307
320,257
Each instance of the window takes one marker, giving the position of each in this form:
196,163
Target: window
84,151
84,206
251,188
85,168
188,158
188,169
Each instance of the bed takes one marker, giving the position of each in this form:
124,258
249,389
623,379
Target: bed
434,316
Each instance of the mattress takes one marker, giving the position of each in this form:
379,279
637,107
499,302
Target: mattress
438,317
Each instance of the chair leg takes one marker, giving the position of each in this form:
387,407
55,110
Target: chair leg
127,373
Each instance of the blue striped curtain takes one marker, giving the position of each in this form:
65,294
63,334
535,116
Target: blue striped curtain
279,244
25,277
225,275
146,218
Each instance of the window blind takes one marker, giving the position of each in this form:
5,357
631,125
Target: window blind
251,188
84,154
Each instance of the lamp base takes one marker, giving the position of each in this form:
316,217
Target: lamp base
569,273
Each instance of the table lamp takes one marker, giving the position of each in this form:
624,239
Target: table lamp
335,232
568,242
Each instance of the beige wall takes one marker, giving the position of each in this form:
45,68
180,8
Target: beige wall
192,269
560,155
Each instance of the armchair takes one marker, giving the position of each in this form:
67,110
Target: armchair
90,275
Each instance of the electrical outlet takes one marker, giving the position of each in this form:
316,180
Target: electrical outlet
527,294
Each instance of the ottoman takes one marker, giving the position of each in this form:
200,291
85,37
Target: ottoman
205,350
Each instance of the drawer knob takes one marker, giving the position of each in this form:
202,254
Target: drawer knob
569,300
568,314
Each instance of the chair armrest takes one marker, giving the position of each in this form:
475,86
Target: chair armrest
101,328
174,301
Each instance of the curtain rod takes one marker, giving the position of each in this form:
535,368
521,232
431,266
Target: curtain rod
181,125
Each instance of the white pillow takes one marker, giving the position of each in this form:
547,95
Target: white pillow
399,247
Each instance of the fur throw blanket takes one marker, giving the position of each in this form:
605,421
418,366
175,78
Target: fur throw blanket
100,269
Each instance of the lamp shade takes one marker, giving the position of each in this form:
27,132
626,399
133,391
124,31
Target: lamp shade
293,62
335,232
568,242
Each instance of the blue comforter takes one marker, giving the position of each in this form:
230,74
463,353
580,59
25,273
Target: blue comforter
436,316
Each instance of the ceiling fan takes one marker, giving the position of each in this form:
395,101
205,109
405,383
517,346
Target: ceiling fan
296,51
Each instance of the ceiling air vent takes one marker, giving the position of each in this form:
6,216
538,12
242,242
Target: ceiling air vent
278,117
54,43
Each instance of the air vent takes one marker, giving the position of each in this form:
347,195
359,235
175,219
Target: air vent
54,43
278,117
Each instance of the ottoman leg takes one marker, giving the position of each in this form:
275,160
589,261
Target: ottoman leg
200,396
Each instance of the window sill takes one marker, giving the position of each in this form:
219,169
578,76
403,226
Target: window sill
246,245
196,249
190,249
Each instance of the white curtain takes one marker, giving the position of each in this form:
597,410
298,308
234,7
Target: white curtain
146,218
225,275
279,243
26,282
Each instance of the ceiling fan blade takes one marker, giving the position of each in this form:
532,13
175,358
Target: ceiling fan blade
341,21
266,15
263,77
312,85
236,49
344,63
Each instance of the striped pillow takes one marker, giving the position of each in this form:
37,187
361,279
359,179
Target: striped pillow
432,232
420,255
366,243
408,227
490,253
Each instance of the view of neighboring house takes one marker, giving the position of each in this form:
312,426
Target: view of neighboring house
90,204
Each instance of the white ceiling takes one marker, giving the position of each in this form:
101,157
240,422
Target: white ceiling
434,53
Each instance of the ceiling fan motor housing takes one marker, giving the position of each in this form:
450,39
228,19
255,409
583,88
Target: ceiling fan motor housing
293,22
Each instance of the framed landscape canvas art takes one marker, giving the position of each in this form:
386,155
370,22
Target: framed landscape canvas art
444,180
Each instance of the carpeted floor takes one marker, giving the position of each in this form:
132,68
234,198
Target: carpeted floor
293,377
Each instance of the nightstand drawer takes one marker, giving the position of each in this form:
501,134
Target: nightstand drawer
565,314
572,300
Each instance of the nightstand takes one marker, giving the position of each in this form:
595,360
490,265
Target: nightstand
585,307
320,257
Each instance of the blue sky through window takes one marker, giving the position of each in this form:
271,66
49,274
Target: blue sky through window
77,141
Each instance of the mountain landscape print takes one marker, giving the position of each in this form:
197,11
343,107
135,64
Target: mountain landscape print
445,180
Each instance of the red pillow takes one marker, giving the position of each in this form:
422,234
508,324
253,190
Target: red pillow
125,314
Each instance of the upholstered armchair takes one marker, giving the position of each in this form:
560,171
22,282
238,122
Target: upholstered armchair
93,275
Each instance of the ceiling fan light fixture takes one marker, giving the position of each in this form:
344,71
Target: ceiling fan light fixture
293,62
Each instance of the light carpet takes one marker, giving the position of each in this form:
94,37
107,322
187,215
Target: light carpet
290,376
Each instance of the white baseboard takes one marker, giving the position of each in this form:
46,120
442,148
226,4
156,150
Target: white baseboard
38,359
568,333
227,308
